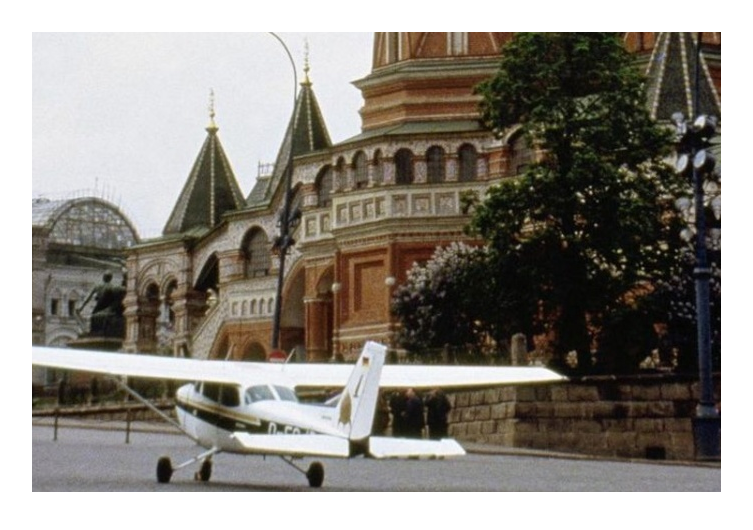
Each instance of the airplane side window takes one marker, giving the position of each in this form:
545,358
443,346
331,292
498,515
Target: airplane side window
259,393
286,394
211,391
230,396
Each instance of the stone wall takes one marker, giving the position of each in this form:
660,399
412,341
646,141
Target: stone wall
638,417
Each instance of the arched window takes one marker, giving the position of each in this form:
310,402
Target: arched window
435,164
378,167
170,300
467,159
324,187
341,175
150,307
73,301
256,253
360,171
55,299
152,293
404,167
521,154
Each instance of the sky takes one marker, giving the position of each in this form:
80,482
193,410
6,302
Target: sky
124,114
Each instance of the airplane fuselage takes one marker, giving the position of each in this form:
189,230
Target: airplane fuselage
212,413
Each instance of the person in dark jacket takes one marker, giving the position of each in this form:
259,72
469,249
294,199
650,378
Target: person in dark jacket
413,415
381,416
437,409
397,410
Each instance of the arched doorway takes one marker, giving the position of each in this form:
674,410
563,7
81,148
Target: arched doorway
165,332
149,310
222,349
254,352
293,317
320,319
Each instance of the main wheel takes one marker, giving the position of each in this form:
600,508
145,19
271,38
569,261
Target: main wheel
205,472
164,470
315,474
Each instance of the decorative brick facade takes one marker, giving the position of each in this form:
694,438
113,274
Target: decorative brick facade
369,208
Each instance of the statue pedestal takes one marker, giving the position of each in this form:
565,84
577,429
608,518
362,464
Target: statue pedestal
111,344
82,387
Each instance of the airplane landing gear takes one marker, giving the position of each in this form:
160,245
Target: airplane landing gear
165,467
205,472
315,474
164,470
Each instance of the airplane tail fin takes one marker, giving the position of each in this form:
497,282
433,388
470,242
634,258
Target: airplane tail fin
357,405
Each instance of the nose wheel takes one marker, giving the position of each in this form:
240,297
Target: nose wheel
164,470
165,467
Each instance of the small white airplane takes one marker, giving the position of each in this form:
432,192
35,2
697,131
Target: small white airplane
253,408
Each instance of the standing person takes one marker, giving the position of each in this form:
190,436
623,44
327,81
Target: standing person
381,416
397,409
414,415
437,409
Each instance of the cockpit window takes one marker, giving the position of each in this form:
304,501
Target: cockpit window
259,393
211,391
286,394
229,396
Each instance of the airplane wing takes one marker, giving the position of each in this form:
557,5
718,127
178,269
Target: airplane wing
302,375
336,447
154,366
424,376
294,445
383,447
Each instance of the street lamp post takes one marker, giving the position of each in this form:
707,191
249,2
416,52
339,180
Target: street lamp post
284,241
695,161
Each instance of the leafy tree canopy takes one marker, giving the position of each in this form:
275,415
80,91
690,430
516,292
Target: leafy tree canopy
592,221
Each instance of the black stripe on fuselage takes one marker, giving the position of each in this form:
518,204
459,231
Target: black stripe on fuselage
220,420
214,416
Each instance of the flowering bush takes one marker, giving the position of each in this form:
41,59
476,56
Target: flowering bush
441,305
676,298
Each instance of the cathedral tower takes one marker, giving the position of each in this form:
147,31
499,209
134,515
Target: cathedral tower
420,77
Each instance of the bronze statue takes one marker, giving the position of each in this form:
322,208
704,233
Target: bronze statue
107,316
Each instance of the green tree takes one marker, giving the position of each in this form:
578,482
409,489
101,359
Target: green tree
592,221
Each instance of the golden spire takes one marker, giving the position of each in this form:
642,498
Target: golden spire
212,127
306,66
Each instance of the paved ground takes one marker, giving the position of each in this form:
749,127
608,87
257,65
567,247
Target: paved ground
93,456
